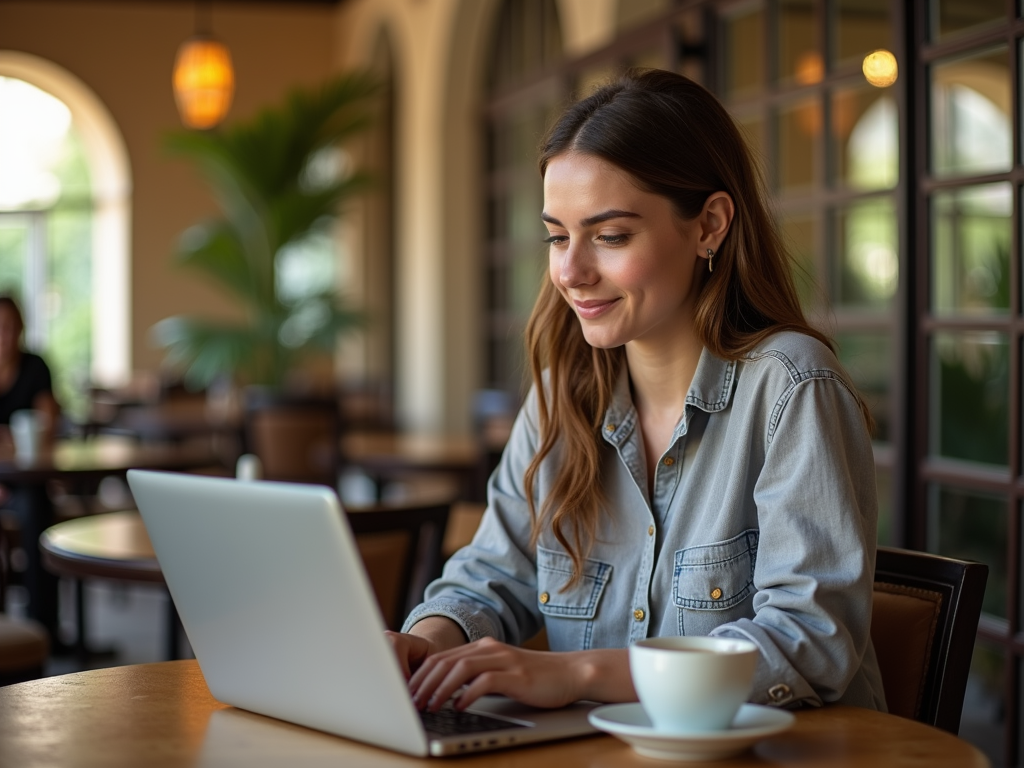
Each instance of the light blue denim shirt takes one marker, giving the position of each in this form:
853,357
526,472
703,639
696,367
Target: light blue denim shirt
761,526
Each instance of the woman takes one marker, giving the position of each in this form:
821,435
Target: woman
691,459
24,377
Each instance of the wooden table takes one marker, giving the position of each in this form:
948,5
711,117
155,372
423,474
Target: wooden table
163,715
77,461
386,455
112,545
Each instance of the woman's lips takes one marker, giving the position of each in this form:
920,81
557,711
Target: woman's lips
593,308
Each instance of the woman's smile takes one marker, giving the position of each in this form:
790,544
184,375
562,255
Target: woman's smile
591,309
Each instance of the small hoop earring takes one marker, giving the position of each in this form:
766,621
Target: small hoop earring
711,263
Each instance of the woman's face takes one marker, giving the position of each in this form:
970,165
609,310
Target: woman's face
622,258
10,333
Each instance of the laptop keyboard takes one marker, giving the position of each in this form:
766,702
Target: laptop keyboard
448,722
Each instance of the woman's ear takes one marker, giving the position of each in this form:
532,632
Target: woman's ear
715,220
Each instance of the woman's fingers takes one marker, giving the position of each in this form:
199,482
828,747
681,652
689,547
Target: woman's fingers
487,666
410,650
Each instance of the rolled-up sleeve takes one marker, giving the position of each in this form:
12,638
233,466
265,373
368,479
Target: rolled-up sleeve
816,509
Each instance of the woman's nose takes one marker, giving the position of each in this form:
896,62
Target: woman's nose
576,267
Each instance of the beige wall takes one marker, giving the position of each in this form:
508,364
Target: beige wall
124,52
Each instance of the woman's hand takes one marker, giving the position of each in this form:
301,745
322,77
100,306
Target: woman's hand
427,637
538,678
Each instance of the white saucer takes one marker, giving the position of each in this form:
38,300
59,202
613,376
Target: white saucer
630,723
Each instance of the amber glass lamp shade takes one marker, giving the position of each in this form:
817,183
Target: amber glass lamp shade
204,81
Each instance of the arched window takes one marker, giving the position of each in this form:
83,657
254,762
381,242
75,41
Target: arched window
64,223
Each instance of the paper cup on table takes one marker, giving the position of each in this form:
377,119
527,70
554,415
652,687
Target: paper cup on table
27,430
690,685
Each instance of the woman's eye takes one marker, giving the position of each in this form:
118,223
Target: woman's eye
613,239
555,239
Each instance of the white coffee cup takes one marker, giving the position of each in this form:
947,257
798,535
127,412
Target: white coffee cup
692,684
27,430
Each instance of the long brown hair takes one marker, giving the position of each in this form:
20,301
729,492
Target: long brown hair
676,140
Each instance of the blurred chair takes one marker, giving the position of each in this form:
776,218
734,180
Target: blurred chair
401,546
923,625
295,439
24,644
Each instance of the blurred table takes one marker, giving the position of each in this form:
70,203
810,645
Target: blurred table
111,545
390,455
163,714
76,461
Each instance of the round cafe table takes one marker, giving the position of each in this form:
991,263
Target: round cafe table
163,715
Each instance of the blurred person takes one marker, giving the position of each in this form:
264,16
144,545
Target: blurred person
691,459
25,381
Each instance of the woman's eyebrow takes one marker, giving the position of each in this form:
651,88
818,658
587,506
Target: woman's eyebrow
597,218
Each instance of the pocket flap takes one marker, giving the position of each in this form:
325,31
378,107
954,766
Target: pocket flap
714,577
554,569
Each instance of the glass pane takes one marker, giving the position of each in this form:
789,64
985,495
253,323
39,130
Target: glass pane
752,127
799,59
860,26
970,414
743,41
983,722
865,138
971,126
799,140
800,236
971,234
69,308
34,128
867,357
949,17
972,526
14,243
883,485
868,265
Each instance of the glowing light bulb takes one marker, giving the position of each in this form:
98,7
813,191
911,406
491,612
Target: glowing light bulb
880,68
204,82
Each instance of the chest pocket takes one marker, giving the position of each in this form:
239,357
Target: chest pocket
711,583
569,615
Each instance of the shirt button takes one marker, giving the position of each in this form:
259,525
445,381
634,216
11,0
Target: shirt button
716,593
639,614
544,597
668,461
650,530
609,428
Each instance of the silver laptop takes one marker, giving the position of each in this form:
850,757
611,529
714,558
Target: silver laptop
279,611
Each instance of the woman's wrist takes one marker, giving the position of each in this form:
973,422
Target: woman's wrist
441,632
602,675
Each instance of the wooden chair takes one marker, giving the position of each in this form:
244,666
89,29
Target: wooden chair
923,624
401,548
24,645
296,440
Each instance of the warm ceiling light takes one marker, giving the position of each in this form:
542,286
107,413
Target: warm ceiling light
880,68
204,81
809,68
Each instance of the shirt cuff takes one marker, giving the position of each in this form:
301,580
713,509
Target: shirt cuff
474,623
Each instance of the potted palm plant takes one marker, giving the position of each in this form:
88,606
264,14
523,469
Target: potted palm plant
280,179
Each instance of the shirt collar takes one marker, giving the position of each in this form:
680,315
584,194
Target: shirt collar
710,391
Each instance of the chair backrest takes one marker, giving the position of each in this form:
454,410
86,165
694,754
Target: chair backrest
401,548
296,440
923,625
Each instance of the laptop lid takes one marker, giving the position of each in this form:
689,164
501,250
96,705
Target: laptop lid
280,613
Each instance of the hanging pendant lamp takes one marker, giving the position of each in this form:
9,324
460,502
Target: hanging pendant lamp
204,80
